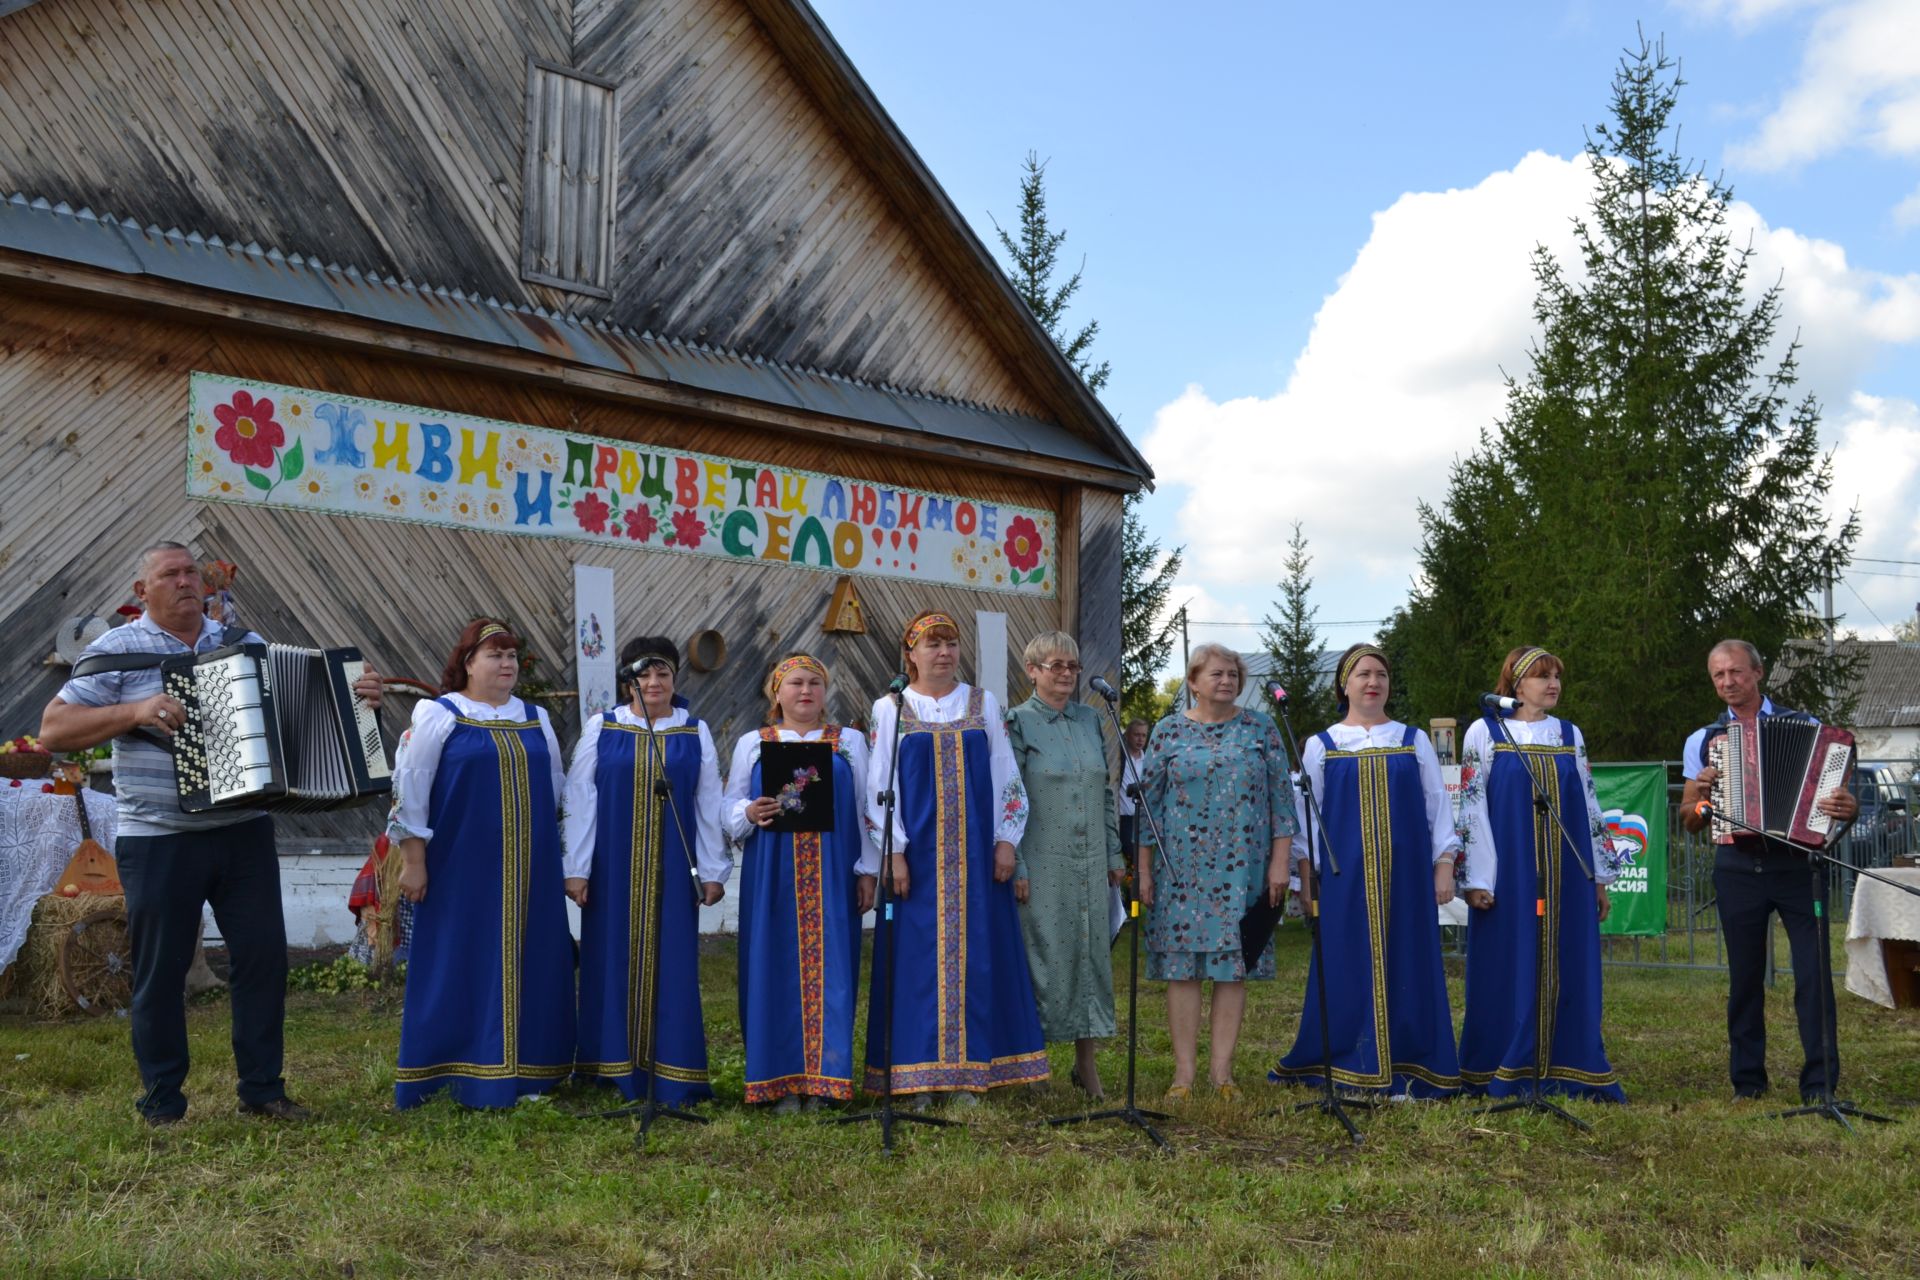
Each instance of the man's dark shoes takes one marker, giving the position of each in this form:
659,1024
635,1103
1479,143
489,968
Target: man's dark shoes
161,1119
278,1109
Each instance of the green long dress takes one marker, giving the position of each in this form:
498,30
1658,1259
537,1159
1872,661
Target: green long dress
1072,841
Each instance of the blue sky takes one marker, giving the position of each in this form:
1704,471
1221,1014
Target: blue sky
1306,227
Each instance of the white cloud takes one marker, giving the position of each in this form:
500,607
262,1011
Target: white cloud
1744,12
1859,84
1907,212
1877,465
1402,370
1399,374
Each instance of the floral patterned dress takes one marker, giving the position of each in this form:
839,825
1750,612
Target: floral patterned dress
1222,797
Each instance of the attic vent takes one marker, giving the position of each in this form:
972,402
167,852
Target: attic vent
566,233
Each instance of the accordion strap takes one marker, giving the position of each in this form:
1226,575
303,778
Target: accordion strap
99,663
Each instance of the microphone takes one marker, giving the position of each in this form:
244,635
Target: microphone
897,686
1277,693
1100,686
1494,702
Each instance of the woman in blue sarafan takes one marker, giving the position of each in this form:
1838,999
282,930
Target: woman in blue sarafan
1533,909
489,1003
1389,823
802,894
964,1017
640,863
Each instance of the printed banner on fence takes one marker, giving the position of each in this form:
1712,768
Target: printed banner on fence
269,445
1633,803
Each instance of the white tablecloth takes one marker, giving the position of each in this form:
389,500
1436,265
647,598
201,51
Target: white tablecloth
38,834
1879,911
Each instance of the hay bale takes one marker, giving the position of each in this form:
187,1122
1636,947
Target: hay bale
37,968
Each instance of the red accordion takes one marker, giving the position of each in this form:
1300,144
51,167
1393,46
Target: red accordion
1772,773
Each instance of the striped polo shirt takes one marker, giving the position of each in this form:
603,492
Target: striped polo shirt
144,791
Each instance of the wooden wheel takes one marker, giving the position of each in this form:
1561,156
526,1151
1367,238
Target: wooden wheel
96,962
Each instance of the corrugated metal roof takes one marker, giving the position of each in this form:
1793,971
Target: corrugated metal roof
1889,682
51,230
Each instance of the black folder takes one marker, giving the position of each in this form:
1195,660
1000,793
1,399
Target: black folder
800,776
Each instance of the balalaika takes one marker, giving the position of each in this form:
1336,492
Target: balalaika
1772,773
274,726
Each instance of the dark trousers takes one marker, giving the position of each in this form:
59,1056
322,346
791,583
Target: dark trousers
167,879
1746,899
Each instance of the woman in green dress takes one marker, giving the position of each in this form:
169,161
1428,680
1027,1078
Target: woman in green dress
1069,855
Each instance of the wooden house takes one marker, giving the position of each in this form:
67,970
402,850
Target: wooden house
410,309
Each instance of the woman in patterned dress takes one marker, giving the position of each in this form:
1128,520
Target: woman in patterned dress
489,1004
1216,779
636,859
1070,855
1520,880
1389,823
801,898
962,1004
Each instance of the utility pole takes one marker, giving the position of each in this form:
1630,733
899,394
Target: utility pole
1186,694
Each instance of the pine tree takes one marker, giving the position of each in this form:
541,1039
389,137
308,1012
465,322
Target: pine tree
1034,257
1146,575
1651,486
1294,643
1146,643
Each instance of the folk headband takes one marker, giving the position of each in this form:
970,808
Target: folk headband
1527,661
921,626
798,662
646,660
1352,660
487,633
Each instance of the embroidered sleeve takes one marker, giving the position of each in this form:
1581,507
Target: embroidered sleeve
1607,861
1012,822
1480,861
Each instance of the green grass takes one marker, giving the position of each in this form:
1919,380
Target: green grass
1680,1182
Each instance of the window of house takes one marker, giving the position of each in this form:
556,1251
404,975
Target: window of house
566,232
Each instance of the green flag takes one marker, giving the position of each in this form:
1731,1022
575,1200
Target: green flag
1633,802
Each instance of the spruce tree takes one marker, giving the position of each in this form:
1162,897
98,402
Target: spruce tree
1293,642
1653,483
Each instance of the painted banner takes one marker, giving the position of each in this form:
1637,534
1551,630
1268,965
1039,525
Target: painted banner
594,644
263,444
1633,804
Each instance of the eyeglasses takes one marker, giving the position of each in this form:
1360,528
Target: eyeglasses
1061,668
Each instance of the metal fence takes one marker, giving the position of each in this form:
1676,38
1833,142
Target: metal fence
1885,830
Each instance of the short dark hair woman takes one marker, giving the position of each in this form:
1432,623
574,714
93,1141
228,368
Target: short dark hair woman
631,859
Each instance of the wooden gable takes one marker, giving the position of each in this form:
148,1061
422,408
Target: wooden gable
763,202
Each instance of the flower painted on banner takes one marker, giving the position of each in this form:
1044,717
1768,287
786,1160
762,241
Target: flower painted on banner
641,524
364,489
494,509
466,509
312,487
1023,544
433,499
394,500
688,529
248,431
591,512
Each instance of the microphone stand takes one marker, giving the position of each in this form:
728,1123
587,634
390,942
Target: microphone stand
1535,1099
1834,1109
1130,1112
1329,1103
650,1108
884,945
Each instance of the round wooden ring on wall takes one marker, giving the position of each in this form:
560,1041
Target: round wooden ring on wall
707,651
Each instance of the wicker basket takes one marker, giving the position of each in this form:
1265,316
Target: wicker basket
25,764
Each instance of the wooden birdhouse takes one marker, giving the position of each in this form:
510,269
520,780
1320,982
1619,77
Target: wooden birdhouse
845,614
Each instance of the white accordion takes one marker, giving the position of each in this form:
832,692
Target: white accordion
274,726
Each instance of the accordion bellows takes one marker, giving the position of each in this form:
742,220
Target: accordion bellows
275,726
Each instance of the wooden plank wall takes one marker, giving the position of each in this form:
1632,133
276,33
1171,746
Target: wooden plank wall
390,135
95,402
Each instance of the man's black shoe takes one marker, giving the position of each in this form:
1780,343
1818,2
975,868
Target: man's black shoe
278,1109
161,1119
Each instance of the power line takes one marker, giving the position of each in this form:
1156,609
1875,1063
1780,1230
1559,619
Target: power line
1875,560
1866,606
1881,573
